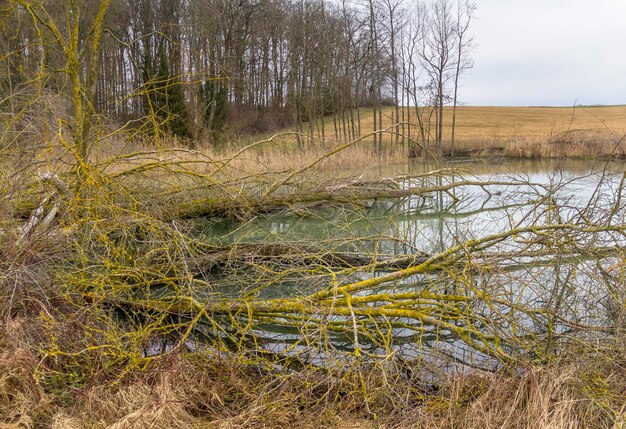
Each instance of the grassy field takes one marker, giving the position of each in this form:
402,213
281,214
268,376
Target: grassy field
522,132
535,123
528,132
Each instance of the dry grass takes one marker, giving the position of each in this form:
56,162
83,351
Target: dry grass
192,391
507,125
528,132
524,132
264,154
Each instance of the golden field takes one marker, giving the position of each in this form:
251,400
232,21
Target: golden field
580,131
518,132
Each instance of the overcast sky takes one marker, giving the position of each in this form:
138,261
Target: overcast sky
547,52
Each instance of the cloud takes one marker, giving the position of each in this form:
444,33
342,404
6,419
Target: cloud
547,52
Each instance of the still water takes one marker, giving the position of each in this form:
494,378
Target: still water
544,284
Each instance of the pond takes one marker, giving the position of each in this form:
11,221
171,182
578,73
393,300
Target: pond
516,293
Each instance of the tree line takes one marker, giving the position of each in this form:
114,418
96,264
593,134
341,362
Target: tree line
200,68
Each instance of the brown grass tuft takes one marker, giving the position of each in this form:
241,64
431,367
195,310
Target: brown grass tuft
183,391
23,403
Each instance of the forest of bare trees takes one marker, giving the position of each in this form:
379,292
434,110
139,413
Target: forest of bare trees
203,69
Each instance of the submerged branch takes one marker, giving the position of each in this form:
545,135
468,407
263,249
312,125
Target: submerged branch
247,206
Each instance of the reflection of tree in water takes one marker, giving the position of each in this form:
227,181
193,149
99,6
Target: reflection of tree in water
498,272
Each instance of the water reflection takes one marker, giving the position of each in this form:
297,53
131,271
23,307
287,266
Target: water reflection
539,285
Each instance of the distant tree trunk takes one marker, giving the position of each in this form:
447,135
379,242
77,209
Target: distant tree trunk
439,138
380,120
376,136
437,49
462,47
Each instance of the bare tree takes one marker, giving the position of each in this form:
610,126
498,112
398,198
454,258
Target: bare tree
77,41
395,15
438,54
413,78
465,13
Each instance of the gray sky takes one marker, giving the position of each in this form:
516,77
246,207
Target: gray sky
547,52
